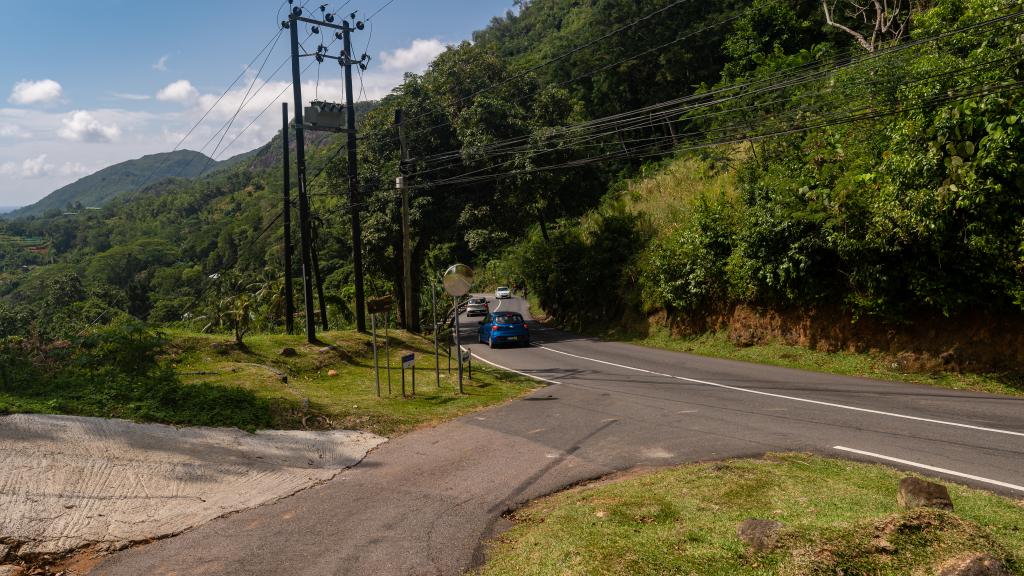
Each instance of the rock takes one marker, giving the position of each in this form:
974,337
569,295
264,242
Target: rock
759,535
4,549
11,570
916,492
327,349
332,373
221,347
973,565
289,352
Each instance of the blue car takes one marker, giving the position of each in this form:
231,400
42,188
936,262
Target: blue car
504,328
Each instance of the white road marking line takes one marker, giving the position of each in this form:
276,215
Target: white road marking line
496,365
932,468
498,307
794,398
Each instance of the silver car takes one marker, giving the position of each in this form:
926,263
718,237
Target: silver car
477,307
502,292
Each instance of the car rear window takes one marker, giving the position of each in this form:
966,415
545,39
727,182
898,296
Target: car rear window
477,300
508,319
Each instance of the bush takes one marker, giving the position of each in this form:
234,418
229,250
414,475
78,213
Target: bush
582,274
685,270
114,371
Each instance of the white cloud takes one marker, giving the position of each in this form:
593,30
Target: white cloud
415,58
179,91
129,96
161,64
35,167
74,169
13,131
82,126
35,92
29,168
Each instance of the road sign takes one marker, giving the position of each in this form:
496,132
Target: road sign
458,279
409,360
379,305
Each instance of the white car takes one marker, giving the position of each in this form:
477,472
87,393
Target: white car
502,292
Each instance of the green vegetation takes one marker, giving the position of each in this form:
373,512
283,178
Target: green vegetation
347,399
839,518
125,370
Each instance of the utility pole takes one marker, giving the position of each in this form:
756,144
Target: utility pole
289,297
319,281
410,312
300,153
346,62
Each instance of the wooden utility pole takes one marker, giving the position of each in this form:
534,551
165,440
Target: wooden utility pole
300,158
353,178
407,291
289,297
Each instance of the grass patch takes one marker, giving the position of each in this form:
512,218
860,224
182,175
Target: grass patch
303,394
717,344
683,521
205,380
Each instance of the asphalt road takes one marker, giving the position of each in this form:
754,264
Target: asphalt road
423,503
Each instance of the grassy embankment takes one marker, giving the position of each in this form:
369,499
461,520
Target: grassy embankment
667,198
215,383
839,518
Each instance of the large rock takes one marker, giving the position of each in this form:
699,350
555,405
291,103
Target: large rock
11,570
916,492
974,565
759,535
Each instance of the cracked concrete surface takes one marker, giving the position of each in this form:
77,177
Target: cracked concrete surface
68,482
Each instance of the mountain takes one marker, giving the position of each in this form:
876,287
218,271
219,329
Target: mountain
99,188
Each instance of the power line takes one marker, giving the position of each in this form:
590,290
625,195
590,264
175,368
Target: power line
386,4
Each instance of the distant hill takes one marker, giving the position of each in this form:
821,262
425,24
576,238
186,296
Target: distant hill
99,188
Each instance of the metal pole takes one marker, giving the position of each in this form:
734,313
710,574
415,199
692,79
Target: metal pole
353,181
458,342
300,155
414,379
387,349
403,380
289,297
433,316
376,365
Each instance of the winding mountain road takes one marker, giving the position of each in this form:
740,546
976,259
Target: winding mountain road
424,503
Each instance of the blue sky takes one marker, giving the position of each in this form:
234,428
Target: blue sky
84,85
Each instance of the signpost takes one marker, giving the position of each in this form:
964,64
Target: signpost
467,357
409,361
458,279
376,306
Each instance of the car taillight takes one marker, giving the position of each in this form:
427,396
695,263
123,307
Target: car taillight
494,328
525,326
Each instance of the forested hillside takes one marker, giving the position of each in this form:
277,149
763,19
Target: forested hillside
97,189
675,157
